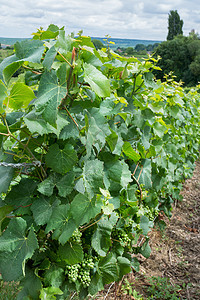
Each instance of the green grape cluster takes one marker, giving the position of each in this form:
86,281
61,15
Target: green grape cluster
81,271
124,239
151,213
72,272
84,277
76,236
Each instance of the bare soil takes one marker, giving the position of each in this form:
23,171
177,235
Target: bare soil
175,251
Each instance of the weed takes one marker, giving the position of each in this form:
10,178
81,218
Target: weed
128,290
8,290
161,288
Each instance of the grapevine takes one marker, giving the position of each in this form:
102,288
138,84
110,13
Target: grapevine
93,149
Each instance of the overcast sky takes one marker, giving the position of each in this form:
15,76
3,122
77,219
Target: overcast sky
132,19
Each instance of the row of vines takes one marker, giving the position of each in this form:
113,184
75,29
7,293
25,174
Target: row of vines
93,150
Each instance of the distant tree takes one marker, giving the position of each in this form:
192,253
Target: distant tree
98,44
140,47
130,50
195,67
155,45
181,56
175,25
149,47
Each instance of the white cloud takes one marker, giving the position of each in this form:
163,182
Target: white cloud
118,18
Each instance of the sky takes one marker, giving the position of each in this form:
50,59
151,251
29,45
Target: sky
132,19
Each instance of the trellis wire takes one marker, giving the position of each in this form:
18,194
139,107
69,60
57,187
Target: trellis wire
21,165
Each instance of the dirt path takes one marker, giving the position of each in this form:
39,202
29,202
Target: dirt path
176,251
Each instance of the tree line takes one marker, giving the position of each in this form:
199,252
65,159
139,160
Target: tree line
179,54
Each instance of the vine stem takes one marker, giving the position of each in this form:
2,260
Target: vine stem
33,71
65,60
140,173
65,108
64,99
91,224
135,169
138,187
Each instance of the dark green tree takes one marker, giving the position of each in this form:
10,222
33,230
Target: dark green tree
130,51
140,47
175,25
181,56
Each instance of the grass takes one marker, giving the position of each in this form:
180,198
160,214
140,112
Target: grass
158,288
5,53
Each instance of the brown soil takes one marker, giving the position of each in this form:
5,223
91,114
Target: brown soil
175,252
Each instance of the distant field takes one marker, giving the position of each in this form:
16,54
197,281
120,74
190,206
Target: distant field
123,43
3,54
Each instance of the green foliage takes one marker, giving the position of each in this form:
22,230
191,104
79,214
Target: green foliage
91,152
139,49
127,289
161,288
175,25
182,57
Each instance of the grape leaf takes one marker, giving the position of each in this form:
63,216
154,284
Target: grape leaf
20,96
119,175
145,224
6,174
101,240
93,176
144,173
42,209
108,269
132,154
61,223
36,124
29,50
3,94
49,58
50,94
16,248
124,265
4,211
83,209
96,130
49,293
98,82
61,160
21,193
54,276
145,249
64,184
46,187
72,253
